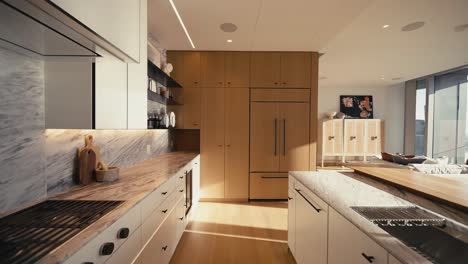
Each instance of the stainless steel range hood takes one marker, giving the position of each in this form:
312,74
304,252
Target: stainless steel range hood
41,28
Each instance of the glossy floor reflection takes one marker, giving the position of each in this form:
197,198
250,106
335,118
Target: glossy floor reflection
236,233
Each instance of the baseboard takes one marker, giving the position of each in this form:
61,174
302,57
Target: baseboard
225,200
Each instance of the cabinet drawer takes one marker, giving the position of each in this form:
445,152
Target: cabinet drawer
280,95
128,251
154,199
268,186
151,224
161,246
91,251
348,244
309,195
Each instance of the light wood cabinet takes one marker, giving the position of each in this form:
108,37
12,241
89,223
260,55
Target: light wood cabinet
292,219
294,136
212,69
237,69
354,137
212,144
311,228
265,69
186,68
347,244
192,108
332,138
374,135
237,143
280,69
268,185
279,136
295,69
264,137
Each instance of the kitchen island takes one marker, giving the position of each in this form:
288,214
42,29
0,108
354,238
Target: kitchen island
323,202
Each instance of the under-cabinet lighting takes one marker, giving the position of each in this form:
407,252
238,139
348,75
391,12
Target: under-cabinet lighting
182,23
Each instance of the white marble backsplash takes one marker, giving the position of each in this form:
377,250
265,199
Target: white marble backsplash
35,162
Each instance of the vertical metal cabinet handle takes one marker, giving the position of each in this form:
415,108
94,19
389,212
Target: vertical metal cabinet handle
284,137
307,200
368,258
276,134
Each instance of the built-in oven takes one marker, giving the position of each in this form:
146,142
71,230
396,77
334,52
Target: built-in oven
188,194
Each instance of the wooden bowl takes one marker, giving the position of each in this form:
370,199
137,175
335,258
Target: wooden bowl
109,175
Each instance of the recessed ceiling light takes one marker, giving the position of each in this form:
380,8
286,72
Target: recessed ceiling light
229,40
182,23
228,27
413,26
385,26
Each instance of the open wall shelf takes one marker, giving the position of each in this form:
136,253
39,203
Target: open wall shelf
161,77
161,99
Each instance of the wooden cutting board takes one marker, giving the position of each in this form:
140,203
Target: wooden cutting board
87,168
89,144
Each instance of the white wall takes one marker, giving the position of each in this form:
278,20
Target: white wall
389,105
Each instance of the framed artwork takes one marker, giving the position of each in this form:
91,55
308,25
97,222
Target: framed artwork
357,106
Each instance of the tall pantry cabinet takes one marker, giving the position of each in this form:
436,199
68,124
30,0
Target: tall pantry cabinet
256,114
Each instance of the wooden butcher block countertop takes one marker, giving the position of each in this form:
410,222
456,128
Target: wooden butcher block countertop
451,191
134,184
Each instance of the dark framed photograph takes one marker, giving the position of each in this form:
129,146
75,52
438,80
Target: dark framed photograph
357,106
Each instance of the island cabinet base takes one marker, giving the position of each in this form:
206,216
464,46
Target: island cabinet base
319,234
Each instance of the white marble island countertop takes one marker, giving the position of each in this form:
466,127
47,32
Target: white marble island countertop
342,190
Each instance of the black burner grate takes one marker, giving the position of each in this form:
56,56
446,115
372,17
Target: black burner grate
30,234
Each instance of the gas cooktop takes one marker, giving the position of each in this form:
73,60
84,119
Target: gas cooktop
30,234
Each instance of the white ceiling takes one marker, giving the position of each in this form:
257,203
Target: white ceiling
358,52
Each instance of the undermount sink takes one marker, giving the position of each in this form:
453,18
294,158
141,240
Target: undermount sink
432,236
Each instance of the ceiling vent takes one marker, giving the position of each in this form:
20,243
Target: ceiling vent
228,27
413,26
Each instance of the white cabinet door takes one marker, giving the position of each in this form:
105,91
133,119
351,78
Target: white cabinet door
138,78
292,221
110,93
117,21
311,229
347,244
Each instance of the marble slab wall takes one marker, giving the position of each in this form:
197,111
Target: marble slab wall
35,162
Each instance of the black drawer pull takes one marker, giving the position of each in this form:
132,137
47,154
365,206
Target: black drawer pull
164,193
289,198
368,258
274,177
181,177
311,204
181,218
123,233
164,248
164,211
106,249
181,190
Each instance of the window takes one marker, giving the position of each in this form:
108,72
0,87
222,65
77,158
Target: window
420,125
450,135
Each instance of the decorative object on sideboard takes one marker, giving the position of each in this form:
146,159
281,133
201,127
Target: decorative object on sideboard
106,173
340,115
330,115
168,68
357,106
